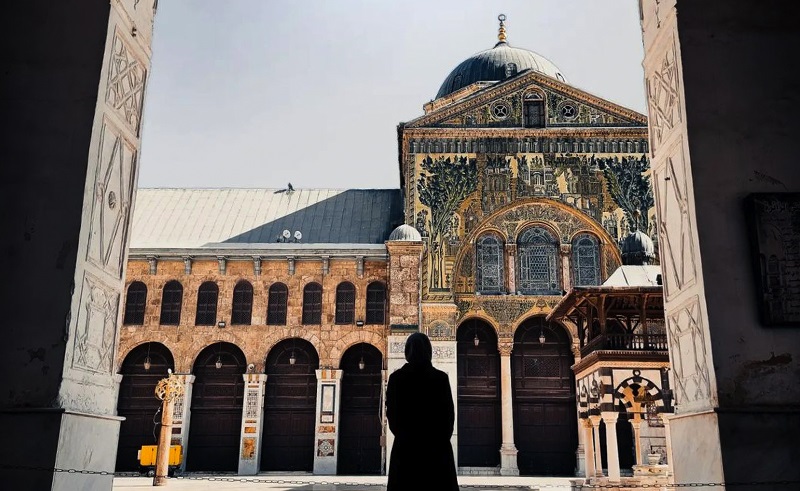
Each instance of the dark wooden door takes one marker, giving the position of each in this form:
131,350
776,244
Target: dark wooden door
479,418
137,402
545,418
289,407
216,412
360,414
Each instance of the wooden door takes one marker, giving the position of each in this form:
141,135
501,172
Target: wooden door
360,451
545,414
289,407
479,417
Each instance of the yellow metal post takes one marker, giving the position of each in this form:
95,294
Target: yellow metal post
167,390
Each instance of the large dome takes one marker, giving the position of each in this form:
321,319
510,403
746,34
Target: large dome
498,63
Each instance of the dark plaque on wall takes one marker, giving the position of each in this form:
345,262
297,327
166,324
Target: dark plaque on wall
773,222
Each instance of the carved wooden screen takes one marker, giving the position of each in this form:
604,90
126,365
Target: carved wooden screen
489,271
312,304
135,302
242,311
207,297
276,304
345,303
171,300
538,263
376,303
586,260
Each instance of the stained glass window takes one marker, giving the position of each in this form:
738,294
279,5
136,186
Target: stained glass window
489,265
586,260
537,253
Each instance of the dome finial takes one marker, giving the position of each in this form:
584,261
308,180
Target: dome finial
501,34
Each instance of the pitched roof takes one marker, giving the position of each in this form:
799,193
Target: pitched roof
193,218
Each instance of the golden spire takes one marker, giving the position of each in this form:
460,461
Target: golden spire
501,34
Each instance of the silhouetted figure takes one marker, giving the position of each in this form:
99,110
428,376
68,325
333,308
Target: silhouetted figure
421,414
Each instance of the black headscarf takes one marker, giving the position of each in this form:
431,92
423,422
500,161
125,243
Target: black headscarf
418,349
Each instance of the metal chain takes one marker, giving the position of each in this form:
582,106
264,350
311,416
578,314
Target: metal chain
261,480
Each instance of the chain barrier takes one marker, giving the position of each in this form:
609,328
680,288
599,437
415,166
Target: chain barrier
301,482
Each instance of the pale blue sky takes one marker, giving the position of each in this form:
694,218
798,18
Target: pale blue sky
258,93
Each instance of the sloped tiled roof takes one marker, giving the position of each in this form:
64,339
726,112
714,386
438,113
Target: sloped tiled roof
194,218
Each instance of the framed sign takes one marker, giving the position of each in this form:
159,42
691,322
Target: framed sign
327,403
773,223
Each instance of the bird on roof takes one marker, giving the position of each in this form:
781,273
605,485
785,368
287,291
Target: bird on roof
290,187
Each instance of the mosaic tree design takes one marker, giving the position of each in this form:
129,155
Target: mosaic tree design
629,187
442,187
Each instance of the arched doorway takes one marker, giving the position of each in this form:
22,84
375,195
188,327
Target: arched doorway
479,418
545,420
141,370
360,415
289,407
216,418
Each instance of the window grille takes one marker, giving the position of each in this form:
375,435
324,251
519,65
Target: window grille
376,303
135,304
312,304
490,278
171,299
345,303
242,311
276,304
533,112
586,260
207,296
538,263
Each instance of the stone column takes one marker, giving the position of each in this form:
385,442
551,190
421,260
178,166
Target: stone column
580,451
612,449
637,443
326,434
566,272
508,451
667,440
588,447
252,419
181,414
74,79
511,273
594,420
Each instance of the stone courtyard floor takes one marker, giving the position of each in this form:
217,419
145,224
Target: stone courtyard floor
304,482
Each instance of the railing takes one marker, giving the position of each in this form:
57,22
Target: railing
626,342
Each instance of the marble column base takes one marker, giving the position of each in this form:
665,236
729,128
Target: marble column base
54,438
508,461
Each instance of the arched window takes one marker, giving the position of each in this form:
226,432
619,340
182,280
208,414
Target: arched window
276,304
207,296
537,252
345,303
376,303
134,304
312,304
489,268
171,299
242,311
586,260
533,110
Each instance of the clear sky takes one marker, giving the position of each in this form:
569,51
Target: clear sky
259,93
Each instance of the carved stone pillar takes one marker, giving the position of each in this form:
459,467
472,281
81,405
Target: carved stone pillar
182,410
594,420
326,433
566,272
508,451
511,261
612,449
587,429
580,451
252,419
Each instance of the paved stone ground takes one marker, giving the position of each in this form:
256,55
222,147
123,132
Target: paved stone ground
304,482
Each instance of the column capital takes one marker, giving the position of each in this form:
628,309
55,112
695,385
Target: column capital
505,347
329,374
595,419
587,423
609,417
254,377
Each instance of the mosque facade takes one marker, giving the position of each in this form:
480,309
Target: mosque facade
521,240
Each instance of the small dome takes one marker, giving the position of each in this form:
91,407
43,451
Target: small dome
637,249
405,233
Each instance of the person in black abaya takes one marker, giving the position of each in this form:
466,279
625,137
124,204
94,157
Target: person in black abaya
421,414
